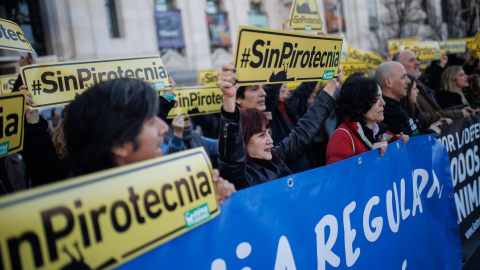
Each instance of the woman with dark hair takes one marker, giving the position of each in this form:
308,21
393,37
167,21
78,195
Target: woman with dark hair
245,148
359,112
409,103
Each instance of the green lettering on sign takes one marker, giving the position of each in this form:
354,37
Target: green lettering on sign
157,86
196,215
328,74
4,149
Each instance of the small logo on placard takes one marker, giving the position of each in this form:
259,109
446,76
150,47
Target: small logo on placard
328,74
4,149
308,28
197,215
157,86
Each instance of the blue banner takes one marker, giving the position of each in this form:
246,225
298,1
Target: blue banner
367,212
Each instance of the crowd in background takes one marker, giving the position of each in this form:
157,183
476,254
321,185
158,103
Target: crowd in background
264,132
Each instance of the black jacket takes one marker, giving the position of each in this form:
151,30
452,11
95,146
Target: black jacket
397,119
449,100
232,150
295,107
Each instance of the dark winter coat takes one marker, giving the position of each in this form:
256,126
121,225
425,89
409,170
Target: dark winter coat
232,150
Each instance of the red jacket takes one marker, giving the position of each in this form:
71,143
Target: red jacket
346,142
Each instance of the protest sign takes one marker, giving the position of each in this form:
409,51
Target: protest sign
265,56
393,43
197,100
7,82
462,140
452,46
12,37
207,77
348,68
12,115
366,212
58,83
372,59
104,219
424,50
304,16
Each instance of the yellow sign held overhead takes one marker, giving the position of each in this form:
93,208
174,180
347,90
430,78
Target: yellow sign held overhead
424,50
57,83
293,85
7,82
393,43
12,37
12,115
207,77
452,46
348,68
102,220
304,16
266,56
197,100
372,59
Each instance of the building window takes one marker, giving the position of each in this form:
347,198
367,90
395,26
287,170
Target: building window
218,25
163,5
256,17
112,18
372,14
213,7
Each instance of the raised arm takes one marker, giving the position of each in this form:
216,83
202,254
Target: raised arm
231,148
308,126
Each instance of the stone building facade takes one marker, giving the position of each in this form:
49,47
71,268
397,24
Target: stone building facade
91,29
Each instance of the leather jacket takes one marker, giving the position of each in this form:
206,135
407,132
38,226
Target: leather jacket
232,150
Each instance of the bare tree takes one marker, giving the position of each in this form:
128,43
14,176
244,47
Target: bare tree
402,18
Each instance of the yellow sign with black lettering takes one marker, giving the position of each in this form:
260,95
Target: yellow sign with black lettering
12,115
197,100
102,220
12,37
265,56
370,58
293,85
207,77
7,82
393,43
452,46
348,68
424,50
57,83
304,16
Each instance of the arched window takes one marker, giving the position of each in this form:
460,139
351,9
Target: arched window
169,26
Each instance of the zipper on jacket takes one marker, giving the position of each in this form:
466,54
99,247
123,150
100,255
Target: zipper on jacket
225,133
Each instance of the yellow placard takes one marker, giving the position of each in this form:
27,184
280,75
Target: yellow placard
370,58
12,37
12,115
393,43
304,16
265,56
207,77
452,46
424,50
102,220
293,85
197,100
348,68
57,83
7,82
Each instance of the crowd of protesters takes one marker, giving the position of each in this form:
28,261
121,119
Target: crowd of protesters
264,132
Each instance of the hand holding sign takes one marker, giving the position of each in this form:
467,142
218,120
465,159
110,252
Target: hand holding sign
226,82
